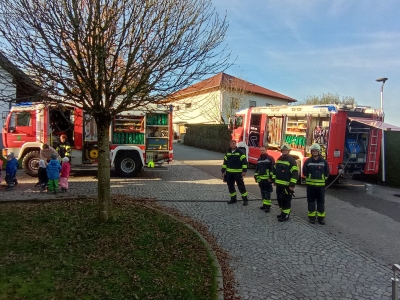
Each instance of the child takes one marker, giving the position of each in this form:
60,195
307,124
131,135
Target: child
263,175
11,171
65,170
42,174
53,173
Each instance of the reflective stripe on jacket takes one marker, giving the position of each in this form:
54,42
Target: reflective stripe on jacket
234,162
286,171
64,150
316,171
264,167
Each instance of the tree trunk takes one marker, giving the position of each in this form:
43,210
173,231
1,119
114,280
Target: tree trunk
104,193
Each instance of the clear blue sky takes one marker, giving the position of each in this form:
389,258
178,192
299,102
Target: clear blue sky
302,48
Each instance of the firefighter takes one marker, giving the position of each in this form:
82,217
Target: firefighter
263,175
233,170
285,178
64,148
316,171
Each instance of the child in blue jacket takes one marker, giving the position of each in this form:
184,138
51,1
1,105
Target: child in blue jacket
11,171
53,174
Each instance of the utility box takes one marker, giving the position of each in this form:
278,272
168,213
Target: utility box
369,188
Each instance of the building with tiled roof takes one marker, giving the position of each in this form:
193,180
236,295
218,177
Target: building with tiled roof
214,100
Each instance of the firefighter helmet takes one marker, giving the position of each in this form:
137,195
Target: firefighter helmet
315,147
285,147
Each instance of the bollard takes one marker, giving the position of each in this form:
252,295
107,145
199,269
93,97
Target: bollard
369,188
395,283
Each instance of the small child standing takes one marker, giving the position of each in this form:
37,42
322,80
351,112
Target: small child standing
65,170
42,174
53,173
11,171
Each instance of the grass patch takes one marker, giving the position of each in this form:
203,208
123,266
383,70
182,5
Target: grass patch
58,250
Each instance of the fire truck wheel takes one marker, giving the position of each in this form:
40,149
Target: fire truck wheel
30,163
128,164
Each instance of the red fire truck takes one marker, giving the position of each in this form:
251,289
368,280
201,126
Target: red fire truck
350,137
137,138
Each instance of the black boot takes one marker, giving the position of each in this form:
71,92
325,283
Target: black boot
263,207
245,201
311,220
284,217
233,200
321,220
267,209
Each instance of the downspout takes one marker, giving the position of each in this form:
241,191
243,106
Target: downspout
221,101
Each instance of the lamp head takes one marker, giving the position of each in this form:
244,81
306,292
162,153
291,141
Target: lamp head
383,79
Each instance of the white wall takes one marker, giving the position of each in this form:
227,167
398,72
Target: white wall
7,92
266,100
208,108
204,109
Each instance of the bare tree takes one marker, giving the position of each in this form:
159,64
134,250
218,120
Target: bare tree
236,96
328,99
110,56
217,104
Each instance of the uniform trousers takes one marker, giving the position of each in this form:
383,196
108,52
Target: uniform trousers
284,198
233,177
316,194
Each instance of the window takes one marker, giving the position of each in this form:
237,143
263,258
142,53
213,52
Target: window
254,135
252,103
188,105
176,107
23,119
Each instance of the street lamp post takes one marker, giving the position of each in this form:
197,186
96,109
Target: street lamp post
383,80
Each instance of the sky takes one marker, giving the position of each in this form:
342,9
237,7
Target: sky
303,48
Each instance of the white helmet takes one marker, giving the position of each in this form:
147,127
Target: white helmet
241,145
285,147
315,147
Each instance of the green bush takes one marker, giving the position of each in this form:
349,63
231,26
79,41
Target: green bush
208,136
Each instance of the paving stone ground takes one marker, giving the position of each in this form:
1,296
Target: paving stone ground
271,260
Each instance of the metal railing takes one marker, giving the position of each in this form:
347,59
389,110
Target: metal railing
395,282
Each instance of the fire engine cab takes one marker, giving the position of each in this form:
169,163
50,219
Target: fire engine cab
137,138
350,137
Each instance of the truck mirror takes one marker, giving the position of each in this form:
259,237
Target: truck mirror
230,124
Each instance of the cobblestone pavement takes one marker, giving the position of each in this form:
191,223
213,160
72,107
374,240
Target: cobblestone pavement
271,260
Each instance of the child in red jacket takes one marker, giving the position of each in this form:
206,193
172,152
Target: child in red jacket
65,170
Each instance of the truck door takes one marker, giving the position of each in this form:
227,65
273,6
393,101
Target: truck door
20,128
254,139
